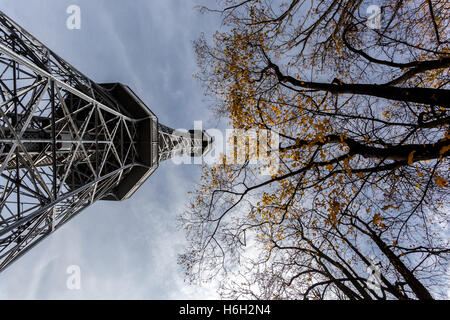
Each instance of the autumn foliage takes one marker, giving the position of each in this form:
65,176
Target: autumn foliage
363,183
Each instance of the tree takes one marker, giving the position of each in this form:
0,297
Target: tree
362,187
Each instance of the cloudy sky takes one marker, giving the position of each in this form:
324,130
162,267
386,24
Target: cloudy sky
125,250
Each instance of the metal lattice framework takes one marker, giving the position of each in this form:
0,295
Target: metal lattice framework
174,143
66,141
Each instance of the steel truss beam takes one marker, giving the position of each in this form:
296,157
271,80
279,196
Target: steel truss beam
49,144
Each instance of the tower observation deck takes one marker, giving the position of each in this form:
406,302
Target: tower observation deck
66,141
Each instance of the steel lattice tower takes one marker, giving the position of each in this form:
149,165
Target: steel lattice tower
66,141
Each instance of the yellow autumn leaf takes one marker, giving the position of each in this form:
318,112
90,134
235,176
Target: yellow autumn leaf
444,149
410,157
441,182
420,174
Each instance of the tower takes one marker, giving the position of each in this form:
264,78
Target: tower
66,141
